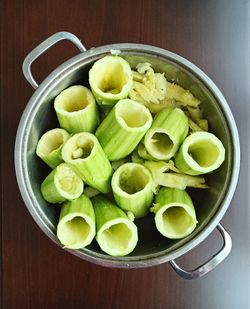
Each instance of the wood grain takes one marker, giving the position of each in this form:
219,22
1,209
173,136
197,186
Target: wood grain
35,273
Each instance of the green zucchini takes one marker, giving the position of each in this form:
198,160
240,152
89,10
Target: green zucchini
116,234
132,186
200,153
76,226
175,215
86,157
169,129
110,79
61,184
50,145
76,110
123,128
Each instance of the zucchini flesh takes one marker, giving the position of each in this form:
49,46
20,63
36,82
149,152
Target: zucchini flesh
123,128
167,175
50,145
76,226
175,215
149,88
193,126
132,186
182,96
196,120
155,92
116,234
76,110
87,158
200,153
61,184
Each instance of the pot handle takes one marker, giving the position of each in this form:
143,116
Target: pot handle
41,48
211,263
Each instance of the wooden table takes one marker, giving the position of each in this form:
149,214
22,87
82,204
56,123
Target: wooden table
35,273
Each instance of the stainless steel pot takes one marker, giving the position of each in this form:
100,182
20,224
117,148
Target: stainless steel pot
211,204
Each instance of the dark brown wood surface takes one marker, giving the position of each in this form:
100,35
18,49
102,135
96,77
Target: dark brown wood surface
35,273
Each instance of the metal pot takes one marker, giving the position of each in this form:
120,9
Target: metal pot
211,204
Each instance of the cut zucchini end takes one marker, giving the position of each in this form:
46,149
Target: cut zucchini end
110,79
118,237
50,144
76,231
68,183
131,179
76,109
174,221
200,153
51,141
73,99
160,145
132,187
132,115
168,130
79,147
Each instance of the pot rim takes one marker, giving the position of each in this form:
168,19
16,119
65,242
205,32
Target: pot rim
22,172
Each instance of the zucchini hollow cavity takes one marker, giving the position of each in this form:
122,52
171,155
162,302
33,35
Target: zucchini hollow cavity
145,121
50,145
168,130
123,128
76,226
61,184
110,79
132,187
175,216
116,234
84,154
76,109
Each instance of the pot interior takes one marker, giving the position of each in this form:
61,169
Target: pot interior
208,202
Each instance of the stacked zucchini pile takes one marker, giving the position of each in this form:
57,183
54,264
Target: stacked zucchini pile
131,144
